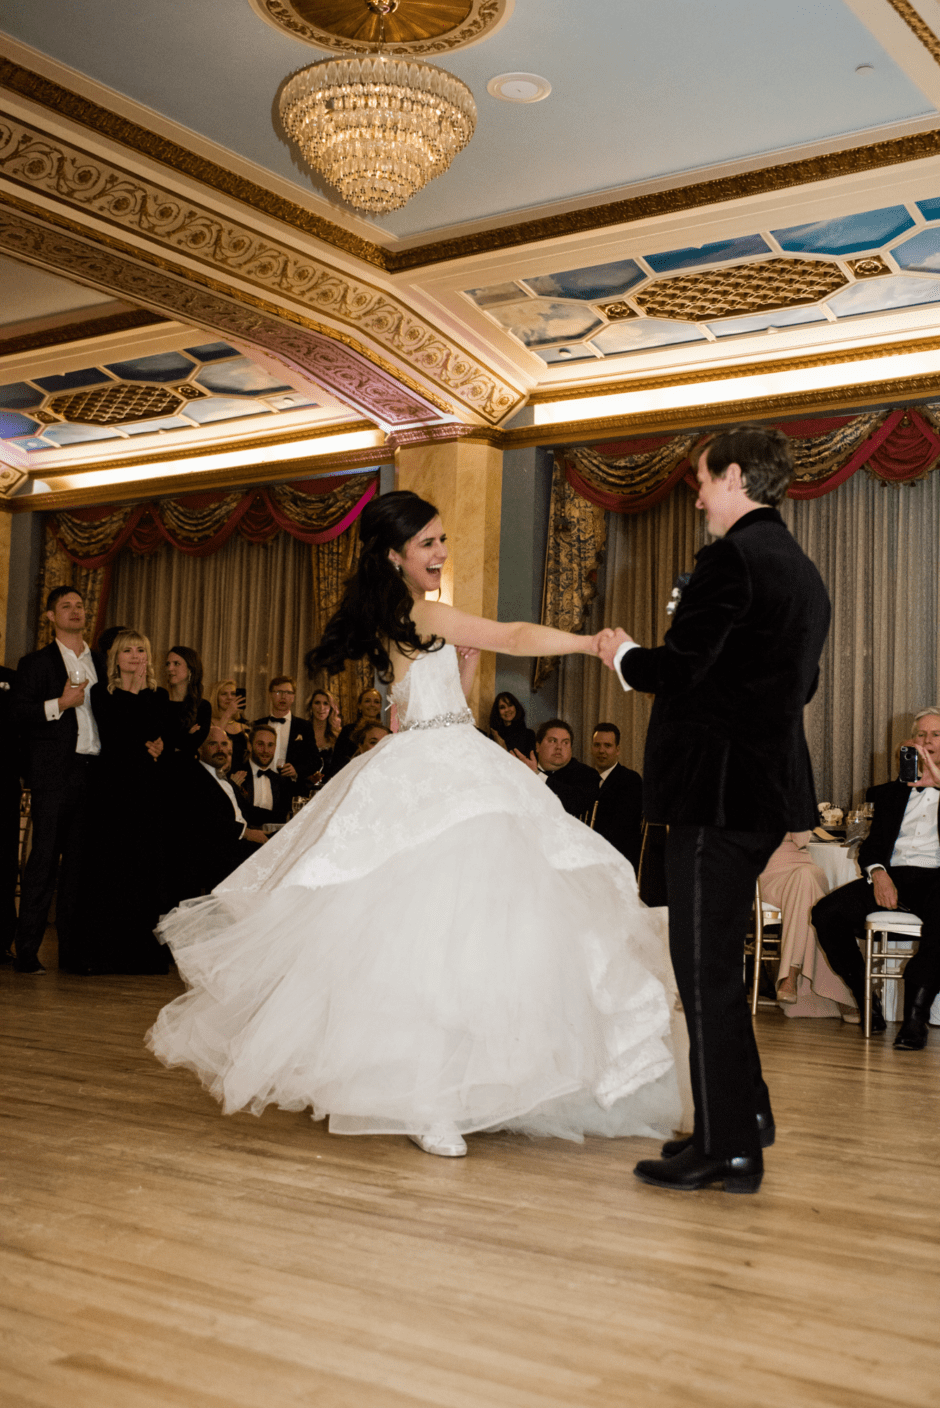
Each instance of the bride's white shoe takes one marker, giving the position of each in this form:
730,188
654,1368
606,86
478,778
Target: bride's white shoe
444,1140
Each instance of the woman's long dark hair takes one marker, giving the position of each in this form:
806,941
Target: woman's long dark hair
376,605
516,728
193,697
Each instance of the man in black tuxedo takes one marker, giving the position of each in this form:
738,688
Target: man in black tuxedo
10,790
574,784
264,795
619,816
727,768
297,757
901,858
212,834
52,709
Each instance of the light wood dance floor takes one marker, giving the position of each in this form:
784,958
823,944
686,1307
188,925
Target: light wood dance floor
156,1254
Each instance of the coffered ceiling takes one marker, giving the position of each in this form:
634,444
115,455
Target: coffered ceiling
716,207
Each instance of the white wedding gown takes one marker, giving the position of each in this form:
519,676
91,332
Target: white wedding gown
432,941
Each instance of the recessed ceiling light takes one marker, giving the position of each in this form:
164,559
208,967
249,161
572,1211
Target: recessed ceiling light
519,87
565,352
865,70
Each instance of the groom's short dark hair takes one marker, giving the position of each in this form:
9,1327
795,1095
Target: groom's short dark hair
764,454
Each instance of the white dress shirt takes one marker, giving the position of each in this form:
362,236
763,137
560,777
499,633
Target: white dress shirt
282,728
917,842
229,791
607,771
88,742
261,793
621,652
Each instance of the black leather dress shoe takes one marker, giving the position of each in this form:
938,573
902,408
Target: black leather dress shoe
28,965
765,1128
913,1033
688,1171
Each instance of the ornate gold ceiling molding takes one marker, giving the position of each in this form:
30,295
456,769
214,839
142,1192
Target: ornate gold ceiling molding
65,103
309,467
331,359
86,183
246,445
918,27
79,332
421,27
832,400
801,362
748,288
133,137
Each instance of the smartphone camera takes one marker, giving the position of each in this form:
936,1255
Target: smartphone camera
910,764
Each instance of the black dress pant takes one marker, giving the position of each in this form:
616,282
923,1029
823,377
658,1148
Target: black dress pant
839,919
60,820
711,874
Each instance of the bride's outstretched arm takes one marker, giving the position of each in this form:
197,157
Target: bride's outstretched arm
507,637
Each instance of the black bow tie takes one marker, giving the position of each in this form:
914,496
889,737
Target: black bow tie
273,720
267,772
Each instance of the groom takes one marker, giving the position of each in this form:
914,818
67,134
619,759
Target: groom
727,769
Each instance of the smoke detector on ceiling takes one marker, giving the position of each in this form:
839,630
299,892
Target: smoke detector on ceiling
519,87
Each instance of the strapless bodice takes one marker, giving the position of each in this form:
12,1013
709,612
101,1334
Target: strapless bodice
430,695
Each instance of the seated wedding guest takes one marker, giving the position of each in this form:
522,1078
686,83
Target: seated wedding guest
806,985
508,726
296,757
368,710
900,857
10,791
190,714
211,835
327,726
226,712
574,784
368,735
125,855
619,816
265,796
52,711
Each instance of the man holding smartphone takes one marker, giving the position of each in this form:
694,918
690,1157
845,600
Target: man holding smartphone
901,860
296,756
51,707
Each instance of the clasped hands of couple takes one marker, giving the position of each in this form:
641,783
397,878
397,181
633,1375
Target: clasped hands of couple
608,641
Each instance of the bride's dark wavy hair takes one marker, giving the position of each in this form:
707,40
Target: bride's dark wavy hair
376,605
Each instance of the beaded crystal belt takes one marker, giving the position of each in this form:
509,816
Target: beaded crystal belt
463,716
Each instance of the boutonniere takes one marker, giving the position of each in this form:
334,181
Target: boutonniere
298,738
682,581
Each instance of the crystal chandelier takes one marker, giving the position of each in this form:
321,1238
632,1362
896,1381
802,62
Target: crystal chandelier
378,128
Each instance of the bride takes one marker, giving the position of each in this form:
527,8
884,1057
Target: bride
432,946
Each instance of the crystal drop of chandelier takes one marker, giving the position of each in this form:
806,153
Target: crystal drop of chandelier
378,128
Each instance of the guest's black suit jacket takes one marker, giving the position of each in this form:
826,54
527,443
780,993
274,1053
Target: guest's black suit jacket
619,817
47,746
206,831
890,801
281,794
575,785
302,751
725,745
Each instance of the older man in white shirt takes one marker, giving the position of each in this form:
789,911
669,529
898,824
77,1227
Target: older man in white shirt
901,859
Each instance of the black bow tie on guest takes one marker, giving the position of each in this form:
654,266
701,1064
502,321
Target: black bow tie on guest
266,772
273,720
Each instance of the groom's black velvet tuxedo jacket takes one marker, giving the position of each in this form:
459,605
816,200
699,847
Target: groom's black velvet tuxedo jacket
725,744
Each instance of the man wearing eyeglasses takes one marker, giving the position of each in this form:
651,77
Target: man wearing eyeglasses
296,756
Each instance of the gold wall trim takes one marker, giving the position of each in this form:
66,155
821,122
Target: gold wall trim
918,27
80,181
131,135
785,364
310,467
79,332
66,103
331,358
